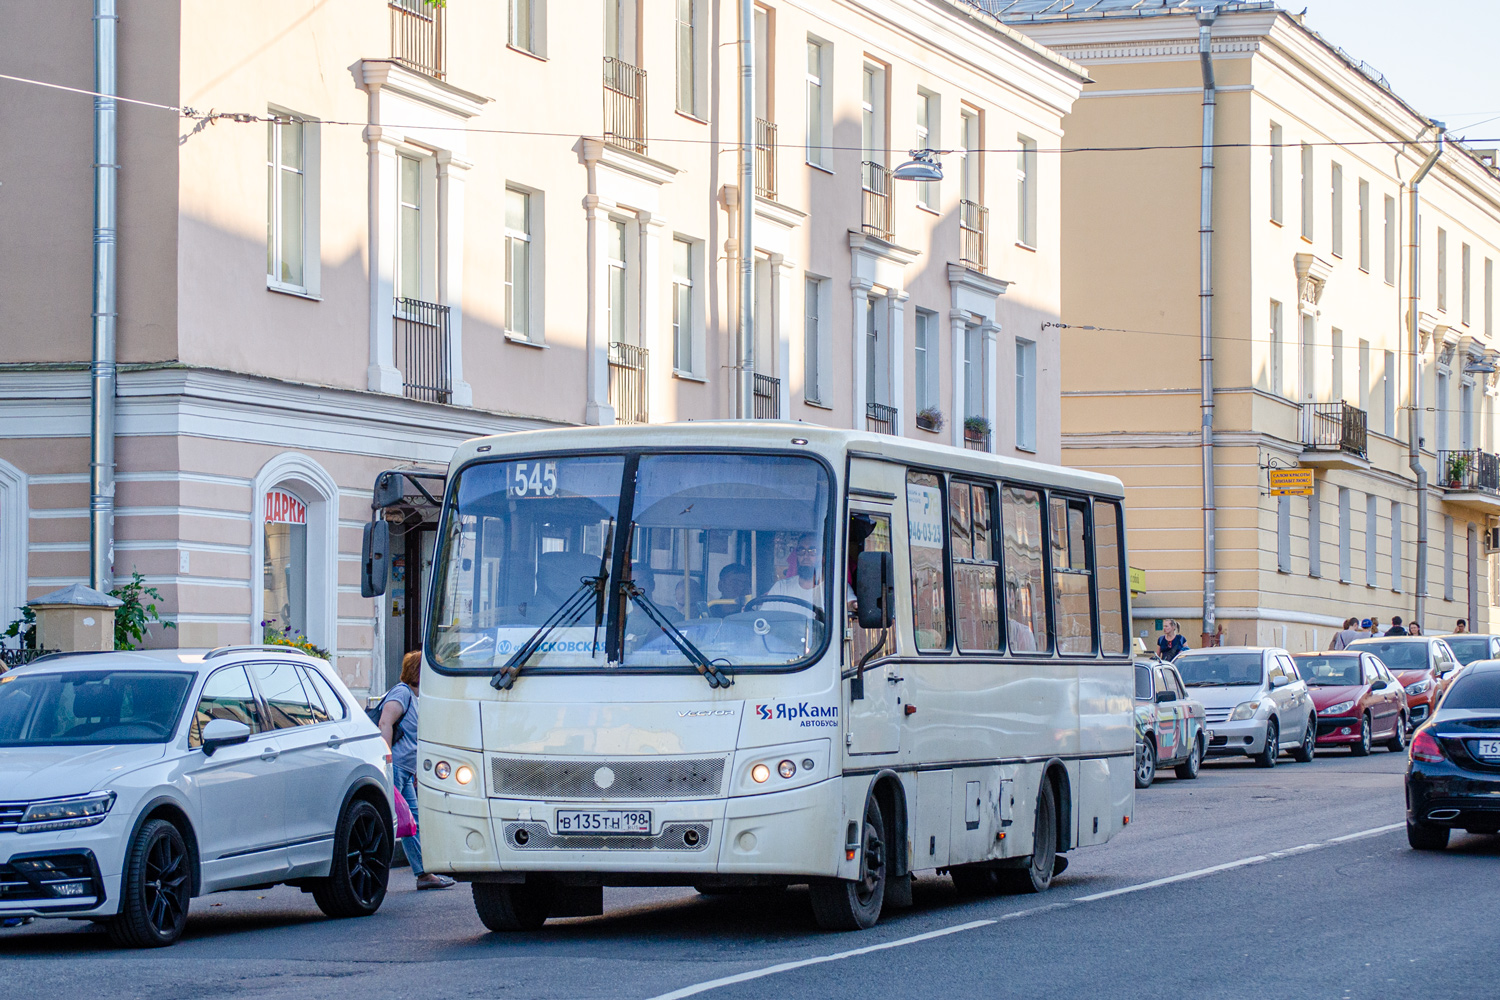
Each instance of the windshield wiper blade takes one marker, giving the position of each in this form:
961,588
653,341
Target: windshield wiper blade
568,614
715,677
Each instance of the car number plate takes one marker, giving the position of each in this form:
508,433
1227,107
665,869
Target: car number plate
596,821
1488,748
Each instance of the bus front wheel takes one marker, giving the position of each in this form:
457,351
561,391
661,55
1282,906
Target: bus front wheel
506,906
854,904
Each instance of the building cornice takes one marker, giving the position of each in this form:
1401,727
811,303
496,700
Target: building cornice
393,76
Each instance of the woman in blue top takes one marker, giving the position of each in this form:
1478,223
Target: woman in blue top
1171,642
398,724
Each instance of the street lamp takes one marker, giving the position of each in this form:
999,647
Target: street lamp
921,167
1484,366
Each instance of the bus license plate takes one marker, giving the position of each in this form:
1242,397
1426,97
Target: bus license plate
595,821
1488,748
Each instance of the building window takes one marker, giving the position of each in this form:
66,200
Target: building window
1337,195
1390,240
819,119
1276,183
1489,297
619,326
409,229
291,203
1025,191
813,317
1466,416
1025,395
1465,266
1441,415
689,61
1345,537
1307,385
1315,532
684,310
765,64
1448,557
527,25
1277,350
928,117
1307,191
1388,384
518,264
1442,269
928,365
1337,356
1396,546
284,563
975,405
1364,226
1283,534
1372,540
1364,375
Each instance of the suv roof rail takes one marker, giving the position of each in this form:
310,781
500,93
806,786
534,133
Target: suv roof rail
258,647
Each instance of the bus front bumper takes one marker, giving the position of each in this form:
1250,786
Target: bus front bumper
794,833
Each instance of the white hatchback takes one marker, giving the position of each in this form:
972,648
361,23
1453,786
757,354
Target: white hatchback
131,782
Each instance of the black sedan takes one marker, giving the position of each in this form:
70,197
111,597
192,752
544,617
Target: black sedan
1453,779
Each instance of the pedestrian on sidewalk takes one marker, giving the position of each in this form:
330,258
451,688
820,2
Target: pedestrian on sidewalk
1351,632
1396,628
398,724
1171,642
1372,626
1413,628
1460,627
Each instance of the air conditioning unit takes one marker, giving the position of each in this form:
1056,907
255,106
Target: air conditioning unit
1491,540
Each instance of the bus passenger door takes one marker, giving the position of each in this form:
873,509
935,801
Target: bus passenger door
875,719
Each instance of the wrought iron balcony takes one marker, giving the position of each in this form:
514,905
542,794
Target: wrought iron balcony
419,40
767,397
973,225
628,370
880,418
624,105
1335,429
1469,471
875,179
422,350
765,159
976,440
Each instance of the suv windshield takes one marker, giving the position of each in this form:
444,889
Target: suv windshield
1396,655
1469,648
731,550
92,707
1219,669
1329,671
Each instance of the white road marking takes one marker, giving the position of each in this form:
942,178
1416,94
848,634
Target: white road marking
771,970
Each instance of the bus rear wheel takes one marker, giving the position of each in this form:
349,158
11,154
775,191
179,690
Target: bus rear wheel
504,906
1037,876
854,904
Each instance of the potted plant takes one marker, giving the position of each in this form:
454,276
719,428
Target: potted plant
976,429
1458,469
931,419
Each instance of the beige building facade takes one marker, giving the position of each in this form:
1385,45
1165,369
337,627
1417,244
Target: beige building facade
407,226
1314,160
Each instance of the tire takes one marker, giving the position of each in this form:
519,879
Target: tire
1145,767
1037,876
1397,742
505,906
854,904
1362,748
156,887
1188,769
361,869
1426,837
1304,751
1267,756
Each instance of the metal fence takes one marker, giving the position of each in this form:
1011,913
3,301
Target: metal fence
765,159
11,658
973,224
627,382
418,38
876,181
976,441
880,418
1335,427
767,397
624,104
1470,469
422,350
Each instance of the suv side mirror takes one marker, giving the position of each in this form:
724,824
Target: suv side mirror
223,733
1280,681
374,560
875,590
1163,696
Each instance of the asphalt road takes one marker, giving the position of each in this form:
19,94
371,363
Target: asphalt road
1294,882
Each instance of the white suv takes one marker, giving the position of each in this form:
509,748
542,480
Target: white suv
131,782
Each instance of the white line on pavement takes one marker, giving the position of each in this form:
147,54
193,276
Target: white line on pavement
771,970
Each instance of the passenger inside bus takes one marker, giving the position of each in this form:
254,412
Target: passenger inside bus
734,590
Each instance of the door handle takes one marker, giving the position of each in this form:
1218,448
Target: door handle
893,679
335,742
270,753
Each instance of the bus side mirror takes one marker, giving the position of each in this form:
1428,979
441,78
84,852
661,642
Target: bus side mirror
389,490
875,590
374,560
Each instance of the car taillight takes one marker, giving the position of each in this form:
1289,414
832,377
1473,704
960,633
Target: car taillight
1425,748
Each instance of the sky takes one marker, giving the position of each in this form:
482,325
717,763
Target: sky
1439,55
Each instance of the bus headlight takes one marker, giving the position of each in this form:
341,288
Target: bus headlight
463,774
762,770
786,769
760,773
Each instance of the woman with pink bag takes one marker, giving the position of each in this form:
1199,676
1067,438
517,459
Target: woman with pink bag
398,724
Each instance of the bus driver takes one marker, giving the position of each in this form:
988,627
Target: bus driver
807,584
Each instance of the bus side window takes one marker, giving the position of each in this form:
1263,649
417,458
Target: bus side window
867,533
929,598
1107,572
976,571
1071,586
1025,591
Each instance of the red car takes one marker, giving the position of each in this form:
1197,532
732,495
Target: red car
1359,701
1419,662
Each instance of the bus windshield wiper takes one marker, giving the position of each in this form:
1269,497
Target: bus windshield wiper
694,655
567,615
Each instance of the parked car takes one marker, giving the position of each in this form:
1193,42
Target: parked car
1255,703
1168,724
1469,646
1453,779
131,782
1359,701
1420,662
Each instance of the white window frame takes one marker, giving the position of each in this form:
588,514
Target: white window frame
1443,394
819,95
426,206
1336,355
1390,240
1283,534
533,332
1308,203
1364,225
1396,546
926,360
1277,184
1388,380
1025,395
1026,193
873,127
1336,196
1364,375
1447,557
1465,284
696,336
929,136
1345,536
690,33
816,310
1278,350
625,330
1489,296
528,17
1372,541
1315,530
1466,440
310,287
1442,269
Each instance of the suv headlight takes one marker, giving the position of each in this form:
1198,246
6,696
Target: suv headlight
1245,710
1338,709
1420,687
65,814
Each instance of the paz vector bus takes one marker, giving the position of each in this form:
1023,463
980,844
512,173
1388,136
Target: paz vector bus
761,654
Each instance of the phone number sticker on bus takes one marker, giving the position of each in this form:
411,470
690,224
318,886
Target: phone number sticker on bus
809,716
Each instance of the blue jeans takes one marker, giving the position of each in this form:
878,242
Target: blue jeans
406,787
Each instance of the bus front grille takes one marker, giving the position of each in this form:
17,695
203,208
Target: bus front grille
602,778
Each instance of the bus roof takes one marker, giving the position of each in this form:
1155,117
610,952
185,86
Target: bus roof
831,442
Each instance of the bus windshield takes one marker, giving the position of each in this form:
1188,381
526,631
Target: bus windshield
731,551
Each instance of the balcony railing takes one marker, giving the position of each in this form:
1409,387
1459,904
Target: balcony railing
976,440
876,181
880,418
973,224
1469,470
1335,427
767,397
422,350
627,382
418,38
624,105
765,159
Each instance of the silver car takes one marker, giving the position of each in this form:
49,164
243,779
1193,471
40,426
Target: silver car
1255,703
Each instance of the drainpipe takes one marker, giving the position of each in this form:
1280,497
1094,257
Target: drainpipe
747,210
1414,426
1206,328
102,371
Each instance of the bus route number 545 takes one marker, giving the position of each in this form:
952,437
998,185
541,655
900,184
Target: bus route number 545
534,479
